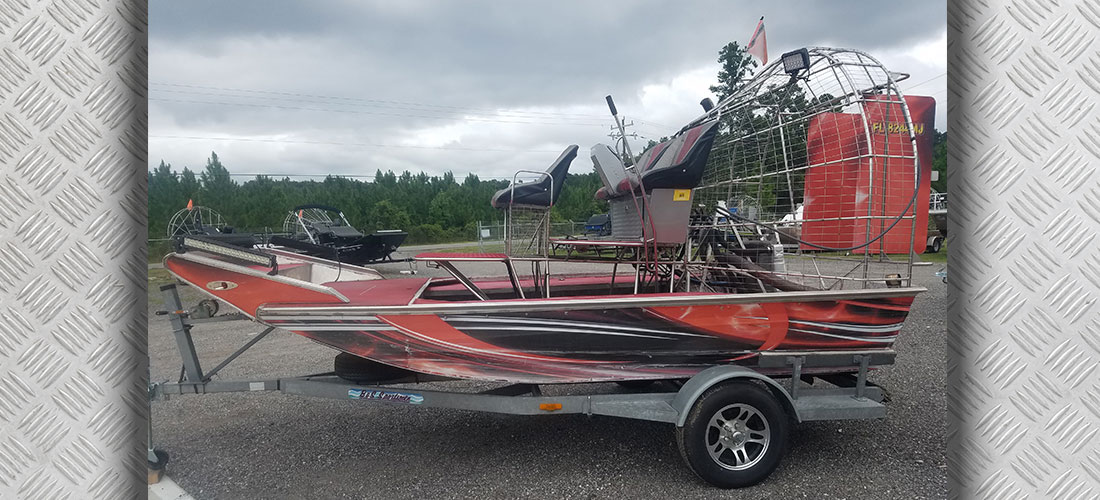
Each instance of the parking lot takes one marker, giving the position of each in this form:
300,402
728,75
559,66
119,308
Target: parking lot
274,445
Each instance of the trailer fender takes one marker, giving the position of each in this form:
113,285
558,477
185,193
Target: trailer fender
697,385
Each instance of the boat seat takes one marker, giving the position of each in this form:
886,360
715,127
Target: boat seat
616,179
538,194
681,165
624,188
651,156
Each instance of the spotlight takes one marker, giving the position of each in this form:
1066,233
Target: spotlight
795,61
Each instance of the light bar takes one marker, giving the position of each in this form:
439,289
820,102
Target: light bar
796,61
217,248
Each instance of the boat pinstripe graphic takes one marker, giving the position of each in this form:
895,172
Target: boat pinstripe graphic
610,344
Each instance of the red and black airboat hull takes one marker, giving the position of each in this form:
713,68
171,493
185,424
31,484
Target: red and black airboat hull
557,339
603,344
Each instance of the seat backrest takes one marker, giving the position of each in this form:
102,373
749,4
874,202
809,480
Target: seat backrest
610,168
668,155
538,193
696,140
653,155
559,168
681,166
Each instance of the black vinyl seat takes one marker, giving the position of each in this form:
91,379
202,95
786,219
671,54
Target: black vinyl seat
682,165
537,194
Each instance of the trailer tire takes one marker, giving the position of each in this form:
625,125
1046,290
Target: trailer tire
361,370
734,435
936,246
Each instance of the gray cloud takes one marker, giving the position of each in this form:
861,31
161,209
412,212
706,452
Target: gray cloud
435,74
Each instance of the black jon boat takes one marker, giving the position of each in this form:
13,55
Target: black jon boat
323,231
207,223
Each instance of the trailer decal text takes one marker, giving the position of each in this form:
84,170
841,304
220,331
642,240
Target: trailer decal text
393,397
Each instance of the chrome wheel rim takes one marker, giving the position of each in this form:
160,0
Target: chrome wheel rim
737,436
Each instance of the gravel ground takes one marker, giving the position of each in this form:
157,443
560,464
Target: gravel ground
273,445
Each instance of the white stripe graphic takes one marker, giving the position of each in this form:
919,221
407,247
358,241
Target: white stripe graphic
536,321
338,328
883,340
851,327
569,330
323,318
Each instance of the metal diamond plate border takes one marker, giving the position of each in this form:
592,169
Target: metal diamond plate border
73,358
1024,323
1024,268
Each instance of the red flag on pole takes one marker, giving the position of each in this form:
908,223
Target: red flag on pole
758,44
190,205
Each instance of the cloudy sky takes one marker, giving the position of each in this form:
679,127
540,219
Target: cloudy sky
349,87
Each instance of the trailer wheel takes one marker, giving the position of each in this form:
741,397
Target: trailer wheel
734,435
937,244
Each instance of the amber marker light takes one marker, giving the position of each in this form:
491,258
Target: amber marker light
550,406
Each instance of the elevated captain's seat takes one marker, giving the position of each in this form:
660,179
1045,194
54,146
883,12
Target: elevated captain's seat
538,194
681,164
668,171
527,208
616,179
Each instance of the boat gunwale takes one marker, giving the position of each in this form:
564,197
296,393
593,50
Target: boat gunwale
682,299
248,271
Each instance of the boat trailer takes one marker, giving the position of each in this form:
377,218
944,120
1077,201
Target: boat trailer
725,413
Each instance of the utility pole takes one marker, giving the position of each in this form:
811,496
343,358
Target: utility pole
618,136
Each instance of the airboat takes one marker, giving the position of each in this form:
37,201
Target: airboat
323,231
208,223
770,238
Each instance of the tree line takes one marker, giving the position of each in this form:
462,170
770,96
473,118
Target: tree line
431,209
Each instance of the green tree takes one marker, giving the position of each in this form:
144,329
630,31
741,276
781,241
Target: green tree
939,160
450,208
577,201
165,193
432,208
736,65
189,184
217,186
386,215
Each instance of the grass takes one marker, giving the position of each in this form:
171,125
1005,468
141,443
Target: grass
158,277
496,247
939,258
158,249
